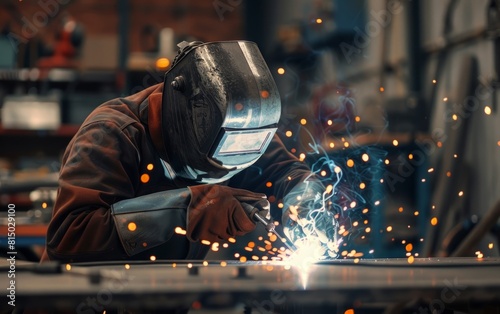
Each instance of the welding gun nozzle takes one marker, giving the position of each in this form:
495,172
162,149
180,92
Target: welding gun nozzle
269,225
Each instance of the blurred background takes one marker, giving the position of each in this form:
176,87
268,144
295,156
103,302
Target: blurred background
400,95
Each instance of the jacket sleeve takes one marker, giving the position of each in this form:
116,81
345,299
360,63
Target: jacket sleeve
100,167
275,174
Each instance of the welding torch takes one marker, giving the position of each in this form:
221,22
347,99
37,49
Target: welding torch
254,214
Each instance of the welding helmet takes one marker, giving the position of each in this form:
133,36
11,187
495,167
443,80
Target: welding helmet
220,110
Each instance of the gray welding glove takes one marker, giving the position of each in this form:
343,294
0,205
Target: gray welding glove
307,219
216,212
206,212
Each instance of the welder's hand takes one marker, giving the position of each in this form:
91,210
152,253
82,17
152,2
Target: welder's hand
215,212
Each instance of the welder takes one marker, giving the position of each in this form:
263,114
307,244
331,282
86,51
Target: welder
186,160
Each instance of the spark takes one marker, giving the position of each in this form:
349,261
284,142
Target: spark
205,242
132,226
68,267
205,263
349,311
362,185
350,163
411,259
381,89
490,245
409,247
179,230
150,167
434,81
127,266
445,99
365,157
416,213
395,142
332,144
454,117
400,209
487,110
232,240
269,184
434,221
281,71
288,133
410,156
430,170
44,205
303,121
152,258
461,193
329,122
145,178
389,228
190,265
357,119
319,21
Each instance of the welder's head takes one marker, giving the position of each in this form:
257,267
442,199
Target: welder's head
220,110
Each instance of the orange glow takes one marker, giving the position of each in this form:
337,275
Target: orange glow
409,247
319,21
411,259
281,71
269,184
381,89
303,121
357,118
362,185
350,163
264,94
395,142
44,205
145,178
434,221
150,167
132,226
288,133
162,63
349,311
243,259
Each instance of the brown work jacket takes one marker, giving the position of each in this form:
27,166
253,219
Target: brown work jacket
111,158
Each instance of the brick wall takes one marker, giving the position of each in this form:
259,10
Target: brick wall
196,18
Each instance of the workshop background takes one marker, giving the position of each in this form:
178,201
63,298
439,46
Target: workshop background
400,95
